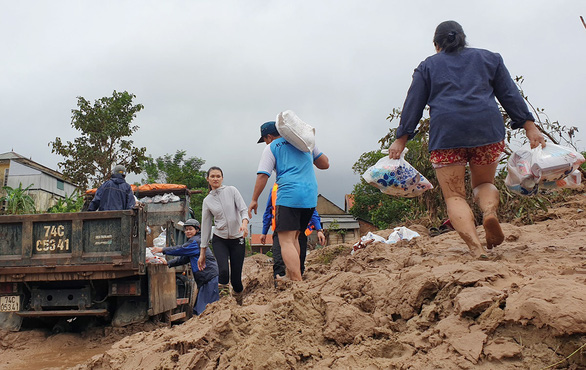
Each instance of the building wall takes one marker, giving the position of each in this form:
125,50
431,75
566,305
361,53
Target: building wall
3,167
45,189
351,236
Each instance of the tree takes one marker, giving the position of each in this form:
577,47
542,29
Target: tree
18,201
178,169
104,127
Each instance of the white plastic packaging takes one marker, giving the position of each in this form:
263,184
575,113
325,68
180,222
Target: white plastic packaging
552,167
295,131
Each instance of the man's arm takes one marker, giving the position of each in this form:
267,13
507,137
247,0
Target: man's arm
259,186
322,162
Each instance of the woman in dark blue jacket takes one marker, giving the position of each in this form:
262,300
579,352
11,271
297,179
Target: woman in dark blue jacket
460,84
206,279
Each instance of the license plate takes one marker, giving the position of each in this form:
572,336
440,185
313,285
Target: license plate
9,303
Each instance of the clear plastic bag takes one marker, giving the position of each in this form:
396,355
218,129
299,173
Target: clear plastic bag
160,240
397,177
551,167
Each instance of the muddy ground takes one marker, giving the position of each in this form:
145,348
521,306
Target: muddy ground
422,304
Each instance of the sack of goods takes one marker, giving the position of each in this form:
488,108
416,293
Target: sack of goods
552,167
295,131
397,177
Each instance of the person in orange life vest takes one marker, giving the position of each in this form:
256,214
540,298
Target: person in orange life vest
268,220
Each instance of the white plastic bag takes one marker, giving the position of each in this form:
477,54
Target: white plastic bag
554,162
397,177
401,233
573,180
160,240
551,167
295,131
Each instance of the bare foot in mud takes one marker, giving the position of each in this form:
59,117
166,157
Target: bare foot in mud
492,228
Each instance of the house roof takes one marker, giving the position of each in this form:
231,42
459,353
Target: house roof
255,239
12,156
344,221
326,206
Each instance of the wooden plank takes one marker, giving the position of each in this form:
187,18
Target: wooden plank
177,316
162,288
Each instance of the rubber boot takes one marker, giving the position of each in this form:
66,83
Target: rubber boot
238,297
224,290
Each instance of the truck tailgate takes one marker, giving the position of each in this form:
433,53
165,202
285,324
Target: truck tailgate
75,244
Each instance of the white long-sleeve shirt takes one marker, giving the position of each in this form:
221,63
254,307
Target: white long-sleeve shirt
226,208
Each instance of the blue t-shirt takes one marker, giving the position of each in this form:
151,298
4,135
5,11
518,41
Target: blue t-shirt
295,174
460,89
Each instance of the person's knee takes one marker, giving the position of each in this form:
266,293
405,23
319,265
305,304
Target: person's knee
486,187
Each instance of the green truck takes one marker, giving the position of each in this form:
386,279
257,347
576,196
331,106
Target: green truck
61,267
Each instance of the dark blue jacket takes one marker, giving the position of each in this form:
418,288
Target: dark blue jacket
460,89
115,194
189,253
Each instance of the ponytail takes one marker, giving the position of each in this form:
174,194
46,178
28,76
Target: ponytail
449,37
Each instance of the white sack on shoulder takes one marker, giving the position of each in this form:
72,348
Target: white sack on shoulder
295,131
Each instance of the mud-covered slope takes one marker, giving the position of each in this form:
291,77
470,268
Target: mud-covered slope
423,304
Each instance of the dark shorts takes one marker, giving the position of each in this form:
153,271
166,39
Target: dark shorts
289,219
481,155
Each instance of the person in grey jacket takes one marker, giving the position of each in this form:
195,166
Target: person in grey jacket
226,207
206,278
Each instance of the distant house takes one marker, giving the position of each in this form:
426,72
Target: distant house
257,246
365,226
47,185
341,227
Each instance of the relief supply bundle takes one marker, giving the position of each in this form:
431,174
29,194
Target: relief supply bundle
397,177
295,131
552,167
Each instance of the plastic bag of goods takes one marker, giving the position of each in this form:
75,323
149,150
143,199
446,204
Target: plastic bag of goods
573,180
551,167
295,131
397,177
554,162
160,240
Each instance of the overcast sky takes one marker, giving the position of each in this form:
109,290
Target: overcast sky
210,72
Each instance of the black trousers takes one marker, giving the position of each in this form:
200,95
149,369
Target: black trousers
230,256
278,263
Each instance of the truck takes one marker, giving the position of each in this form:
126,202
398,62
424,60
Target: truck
60,267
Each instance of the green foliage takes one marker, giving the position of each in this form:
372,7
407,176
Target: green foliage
18,201
71,203
334,226
385,211
178,169
104,127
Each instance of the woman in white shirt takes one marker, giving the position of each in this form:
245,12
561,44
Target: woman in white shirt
226,207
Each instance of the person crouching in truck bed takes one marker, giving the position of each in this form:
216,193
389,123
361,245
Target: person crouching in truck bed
206,279
115,194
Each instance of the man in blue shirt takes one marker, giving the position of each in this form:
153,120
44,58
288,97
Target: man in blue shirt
297,193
